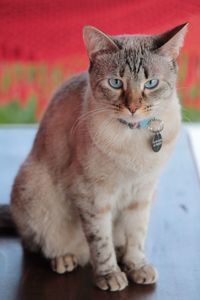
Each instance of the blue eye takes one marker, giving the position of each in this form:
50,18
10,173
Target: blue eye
115,83
151,84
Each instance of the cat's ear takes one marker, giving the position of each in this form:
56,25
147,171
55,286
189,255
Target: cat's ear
170,42
95,41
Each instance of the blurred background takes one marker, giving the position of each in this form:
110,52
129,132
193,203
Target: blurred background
41,45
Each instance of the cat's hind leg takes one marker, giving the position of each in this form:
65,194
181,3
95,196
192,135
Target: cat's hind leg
46,220
62,264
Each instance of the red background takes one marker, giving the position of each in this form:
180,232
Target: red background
50,32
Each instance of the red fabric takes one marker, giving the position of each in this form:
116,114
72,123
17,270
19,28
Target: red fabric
52,30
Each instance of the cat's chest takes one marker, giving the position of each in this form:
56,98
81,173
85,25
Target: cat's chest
134,155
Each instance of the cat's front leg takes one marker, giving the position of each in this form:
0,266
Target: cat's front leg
135,219
97,225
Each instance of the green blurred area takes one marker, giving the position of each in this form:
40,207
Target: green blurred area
15,113
190,114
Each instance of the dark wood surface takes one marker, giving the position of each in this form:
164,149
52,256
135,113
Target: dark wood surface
173,245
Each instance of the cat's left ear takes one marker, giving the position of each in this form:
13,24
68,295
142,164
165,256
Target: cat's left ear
96,40
170,42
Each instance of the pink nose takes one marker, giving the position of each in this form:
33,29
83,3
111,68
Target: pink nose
132,107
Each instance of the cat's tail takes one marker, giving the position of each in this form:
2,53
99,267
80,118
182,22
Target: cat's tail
7,225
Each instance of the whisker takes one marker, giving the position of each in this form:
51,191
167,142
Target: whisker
150,107
83,117
103,128
182,87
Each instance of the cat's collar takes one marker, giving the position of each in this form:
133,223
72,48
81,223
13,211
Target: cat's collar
141,124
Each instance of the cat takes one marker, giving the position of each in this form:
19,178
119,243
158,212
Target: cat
84,192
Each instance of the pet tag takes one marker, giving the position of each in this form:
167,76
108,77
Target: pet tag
156,126
156,142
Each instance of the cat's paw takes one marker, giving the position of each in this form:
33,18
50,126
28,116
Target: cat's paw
146,274
115,281
62,264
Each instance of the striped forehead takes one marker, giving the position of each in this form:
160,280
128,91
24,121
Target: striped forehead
134,60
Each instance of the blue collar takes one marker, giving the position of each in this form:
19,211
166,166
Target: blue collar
141,124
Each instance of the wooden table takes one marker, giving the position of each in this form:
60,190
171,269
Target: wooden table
173,243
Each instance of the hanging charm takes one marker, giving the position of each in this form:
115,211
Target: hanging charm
156,126
156,142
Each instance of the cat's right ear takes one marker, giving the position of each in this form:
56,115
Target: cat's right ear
95,41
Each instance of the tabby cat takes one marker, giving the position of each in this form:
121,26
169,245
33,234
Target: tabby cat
85,190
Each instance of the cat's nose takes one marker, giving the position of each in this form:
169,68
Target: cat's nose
132,107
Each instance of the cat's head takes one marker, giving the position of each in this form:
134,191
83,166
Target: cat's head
133,76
